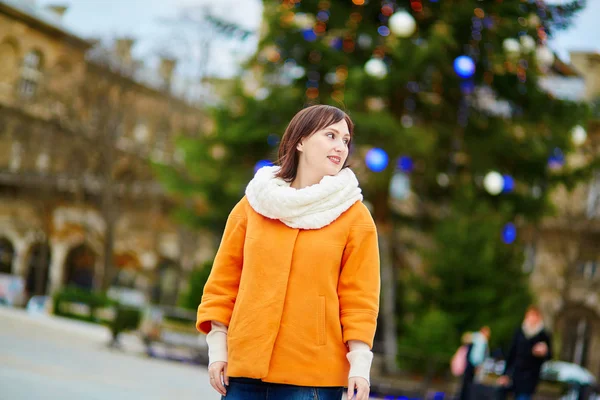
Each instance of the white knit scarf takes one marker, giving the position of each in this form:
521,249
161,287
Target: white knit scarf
312,207
531,331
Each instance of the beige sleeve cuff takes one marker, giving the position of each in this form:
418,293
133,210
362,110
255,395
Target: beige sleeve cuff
217,343
360,358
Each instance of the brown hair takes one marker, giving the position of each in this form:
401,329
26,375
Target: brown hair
305,123
534,309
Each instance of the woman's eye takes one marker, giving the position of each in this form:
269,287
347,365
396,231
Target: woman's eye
346,141
330,135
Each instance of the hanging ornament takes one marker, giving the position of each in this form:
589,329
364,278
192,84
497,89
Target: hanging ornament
402,24
218,151
364,41
464,66
533,20
262,163
508,184
511,46
273,140
383,31
544,56
336,43
331,78
578,135
407,121
376,68
400,186
405,163
375,104
309,35
304,21
262,93
493,183
443,180
509,233
556,159
527,43
376,159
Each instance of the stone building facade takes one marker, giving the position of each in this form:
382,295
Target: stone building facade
564,255
80,127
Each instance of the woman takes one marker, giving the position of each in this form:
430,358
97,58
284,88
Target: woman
530,348
291,304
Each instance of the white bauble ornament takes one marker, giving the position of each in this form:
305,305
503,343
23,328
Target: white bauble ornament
443,180
400,186
304,21
376,68
402,24
527,43
533,20
544,56
364,41
578,135
511,46
493,183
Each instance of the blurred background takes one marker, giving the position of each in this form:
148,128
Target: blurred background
129,129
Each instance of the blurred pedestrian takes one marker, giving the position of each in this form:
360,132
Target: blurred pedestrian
531,347
291,304
477,352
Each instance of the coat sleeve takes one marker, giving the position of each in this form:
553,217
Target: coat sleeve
549,344
359,285
512,353
220,291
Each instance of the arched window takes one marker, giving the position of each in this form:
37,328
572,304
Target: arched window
166,288
79,268
39,266
7,254
31,73
9,65
579,325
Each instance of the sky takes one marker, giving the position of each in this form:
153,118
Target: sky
152,22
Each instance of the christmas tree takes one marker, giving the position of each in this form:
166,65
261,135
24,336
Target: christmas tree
454,136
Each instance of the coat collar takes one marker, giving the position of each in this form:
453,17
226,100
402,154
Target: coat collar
312,207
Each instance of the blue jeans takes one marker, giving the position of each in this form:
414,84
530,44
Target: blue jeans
522,396
254,389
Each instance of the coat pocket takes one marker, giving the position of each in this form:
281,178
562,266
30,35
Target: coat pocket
234,315
321,328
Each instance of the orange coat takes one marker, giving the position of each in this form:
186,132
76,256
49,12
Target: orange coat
293,298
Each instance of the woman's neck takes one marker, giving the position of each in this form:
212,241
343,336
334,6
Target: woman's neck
304,179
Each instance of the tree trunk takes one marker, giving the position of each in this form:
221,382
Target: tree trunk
388,296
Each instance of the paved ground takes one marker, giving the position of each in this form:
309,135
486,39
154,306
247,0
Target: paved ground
49,358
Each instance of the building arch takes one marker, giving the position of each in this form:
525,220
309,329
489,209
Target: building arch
38,269
80,266
7,255
578,327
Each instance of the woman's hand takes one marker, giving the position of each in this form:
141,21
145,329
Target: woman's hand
362,388
503,380
540,349
218,374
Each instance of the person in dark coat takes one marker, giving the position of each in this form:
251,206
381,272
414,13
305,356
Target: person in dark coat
531,347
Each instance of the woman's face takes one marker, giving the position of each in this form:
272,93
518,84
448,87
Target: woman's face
325,151
532,318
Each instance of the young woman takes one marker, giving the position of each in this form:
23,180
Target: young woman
291,304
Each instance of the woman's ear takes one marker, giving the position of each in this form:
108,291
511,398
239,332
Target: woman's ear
300,146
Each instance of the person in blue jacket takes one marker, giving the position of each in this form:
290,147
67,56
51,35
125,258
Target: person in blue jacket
477,352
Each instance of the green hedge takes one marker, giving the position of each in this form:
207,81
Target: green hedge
96,307
81,304
126,318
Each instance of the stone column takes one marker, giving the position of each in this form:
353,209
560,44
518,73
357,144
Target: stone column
19,267
57,266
